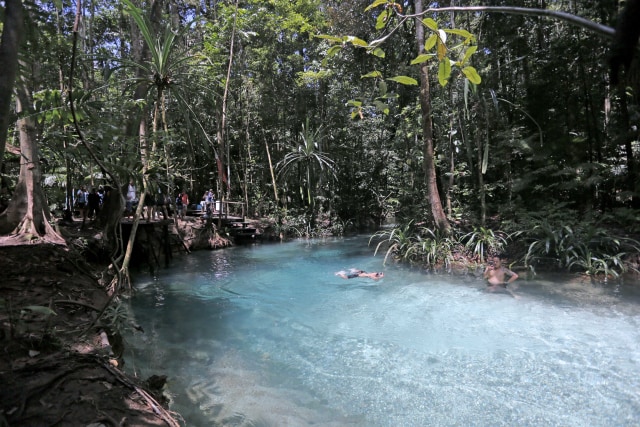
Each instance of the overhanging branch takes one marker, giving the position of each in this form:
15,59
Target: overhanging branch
563,16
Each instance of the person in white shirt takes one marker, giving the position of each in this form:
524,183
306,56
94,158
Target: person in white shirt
131,199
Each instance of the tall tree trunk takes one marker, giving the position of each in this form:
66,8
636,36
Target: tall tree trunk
452,167
141,54
223,177
439,217
9,47
631,134
481,152
273,175
27,216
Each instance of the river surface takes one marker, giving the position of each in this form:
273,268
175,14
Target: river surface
267,335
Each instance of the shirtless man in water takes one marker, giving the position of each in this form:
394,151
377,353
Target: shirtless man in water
359,273
496,276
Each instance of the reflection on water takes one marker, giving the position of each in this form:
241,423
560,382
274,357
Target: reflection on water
267,335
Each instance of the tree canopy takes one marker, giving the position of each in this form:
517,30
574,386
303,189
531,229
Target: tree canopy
327,112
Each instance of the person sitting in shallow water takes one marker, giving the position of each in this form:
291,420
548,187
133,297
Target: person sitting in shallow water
499,277
359,273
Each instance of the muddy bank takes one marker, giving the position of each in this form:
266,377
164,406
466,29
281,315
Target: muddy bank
61,357
59,363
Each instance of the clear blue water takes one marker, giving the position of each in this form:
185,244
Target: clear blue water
267,335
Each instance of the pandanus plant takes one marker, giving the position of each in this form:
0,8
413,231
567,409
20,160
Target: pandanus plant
309,162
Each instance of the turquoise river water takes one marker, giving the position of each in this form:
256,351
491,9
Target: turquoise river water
267,335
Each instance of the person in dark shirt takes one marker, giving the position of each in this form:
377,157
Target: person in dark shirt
93,204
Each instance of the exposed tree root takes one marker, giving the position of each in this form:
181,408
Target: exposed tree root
26,233
33,393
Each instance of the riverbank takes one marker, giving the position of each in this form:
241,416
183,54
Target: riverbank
61,360
60,364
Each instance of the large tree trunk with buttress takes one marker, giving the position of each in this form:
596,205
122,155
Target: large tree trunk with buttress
27,216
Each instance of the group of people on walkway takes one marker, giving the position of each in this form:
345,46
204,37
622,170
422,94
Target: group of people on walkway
156,205
182,203
160,204
88,203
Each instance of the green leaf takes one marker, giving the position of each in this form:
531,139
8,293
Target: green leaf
405,80
334,49
471,74
375,4
40,309
378,52
354,103
430,24
334,39
382,88
470,51
431,42
422,58
464,33
356,41
381,106
444,72
372,74
136,13
382,19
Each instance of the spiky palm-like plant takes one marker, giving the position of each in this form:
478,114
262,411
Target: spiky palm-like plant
309,162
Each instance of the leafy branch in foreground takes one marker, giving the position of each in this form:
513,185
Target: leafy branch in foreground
450,47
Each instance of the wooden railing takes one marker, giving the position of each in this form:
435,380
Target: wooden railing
231,208
224,209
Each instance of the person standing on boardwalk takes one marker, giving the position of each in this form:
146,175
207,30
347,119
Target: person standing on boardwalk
208,198
185,202
149,206
179,206
93,203
131,199
161,205
81,203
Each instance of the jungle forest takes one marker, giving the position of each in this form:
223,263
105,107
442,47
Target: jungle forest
446,132
474,129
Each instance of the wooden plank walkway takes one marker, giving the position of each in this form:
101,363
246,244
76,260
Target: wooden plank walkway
238,227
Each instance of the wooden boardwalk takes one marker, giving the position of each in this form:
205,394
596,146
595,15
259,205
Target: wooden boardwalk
231,217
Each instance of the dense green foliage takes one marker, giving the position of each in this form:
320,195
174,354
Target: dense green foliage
255,99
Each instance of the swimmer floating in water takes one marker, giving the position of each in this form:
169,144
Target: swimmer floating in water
353,273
